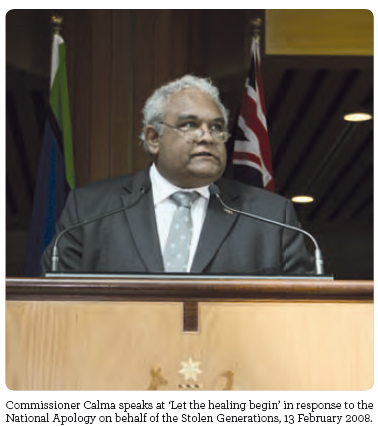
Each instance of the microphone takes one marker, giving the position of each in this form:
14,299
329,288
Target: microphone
55,252
214,190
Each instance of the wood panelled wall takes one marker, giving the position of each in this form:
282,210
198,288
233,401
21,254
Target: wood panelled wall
115,58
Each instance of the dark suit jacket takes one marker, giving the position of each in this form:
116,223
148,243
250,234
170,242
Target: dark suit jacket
127,242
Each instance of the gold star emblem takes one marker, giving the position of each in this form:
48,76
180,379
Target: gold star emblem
190,369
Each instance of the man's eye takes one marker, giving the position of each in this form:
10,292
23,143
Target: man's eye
217,128
188,125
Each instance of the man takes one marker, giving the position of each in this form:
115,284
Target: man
184,130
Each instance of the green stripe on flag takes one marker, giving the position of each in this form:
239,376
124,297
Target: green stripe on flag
60,106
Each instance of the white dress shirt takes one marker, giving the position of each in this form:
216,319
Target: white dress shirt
162,189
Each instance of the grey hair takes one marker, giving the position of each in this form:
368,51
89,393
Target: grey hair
155,107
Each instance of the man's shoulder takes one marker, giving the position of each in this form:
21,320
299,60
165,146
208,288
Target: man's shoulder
234,188
108,194
113,185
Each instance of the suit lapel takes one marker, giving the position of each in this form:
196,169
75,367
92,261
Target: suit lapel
140,216
216,227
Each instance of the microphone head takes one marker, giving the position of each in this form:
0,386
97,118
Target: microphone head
214,189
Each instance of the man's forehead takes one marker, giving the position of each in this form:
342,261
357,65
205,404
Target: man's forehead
192,102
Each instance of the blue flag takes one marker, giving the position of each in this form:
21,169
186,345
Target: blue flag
56,167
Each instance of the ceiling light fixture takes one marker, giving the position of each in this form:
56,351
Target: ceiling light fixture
302,199
358,116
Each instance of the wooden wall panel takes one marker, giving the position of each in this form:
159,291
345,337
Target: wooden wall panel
163,44
115,59
121,110
28,124
143,80
180,43
79,46
197,33
15,182
100,105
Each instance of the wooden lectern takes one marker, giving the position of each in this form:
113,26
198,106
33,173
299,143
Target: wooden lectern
135,333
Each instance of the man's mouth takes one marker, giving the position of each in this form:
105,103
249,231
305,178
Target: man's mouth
203,154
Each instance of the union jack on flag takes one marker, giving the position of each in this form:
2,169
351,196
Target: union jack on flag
251,157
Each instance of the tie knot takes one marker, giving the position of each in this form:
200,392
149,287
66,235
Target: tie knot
184,199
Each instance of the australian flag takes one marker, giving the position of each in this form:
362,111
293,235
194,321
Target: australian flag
251,157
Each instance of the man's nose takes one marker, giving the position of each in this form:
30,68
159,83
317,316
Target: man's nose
205,135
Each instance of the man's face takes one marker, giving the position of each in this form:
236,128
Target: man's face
189,163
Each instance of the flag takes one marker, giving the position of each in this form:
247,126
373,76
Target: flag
251,157
55,176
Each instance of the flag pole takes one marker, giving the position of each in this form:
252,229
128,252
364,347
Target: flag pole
57,23
256,25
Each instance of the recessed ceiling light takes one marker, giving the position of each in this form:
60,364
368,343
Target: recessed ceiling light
358,116
302,199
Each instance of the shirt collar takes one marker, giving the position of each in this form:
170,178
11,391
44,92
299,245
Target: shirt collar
163,189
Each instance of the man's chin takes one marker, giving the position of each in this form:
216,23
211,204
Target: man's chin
207,174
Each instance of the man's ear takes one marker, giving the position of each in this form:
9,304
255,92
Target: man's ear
151,137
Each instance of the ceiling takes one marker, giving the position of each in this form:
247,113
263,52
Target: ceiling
314,151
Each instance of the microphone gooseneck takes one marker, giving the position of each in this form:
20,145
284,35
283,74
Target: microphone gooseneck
214,190
55,251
